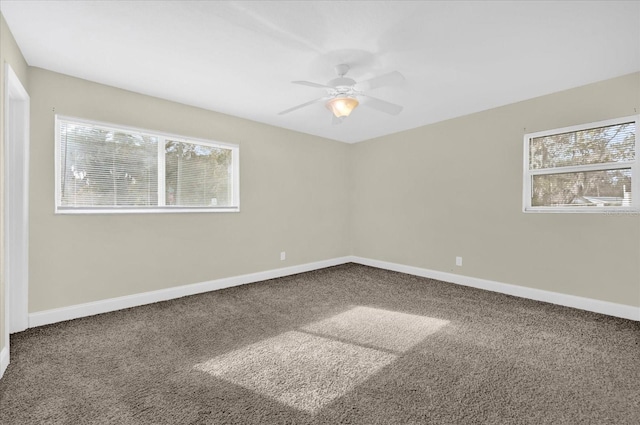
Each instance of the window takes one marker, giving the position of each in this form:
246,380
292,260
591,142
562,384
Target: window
586,168
102,168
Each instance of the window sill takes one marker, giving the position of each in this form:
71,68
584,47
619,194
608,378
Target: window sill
151,210
584,210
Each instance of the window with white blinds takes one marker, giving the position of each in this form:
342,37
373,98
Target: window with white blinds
586,168
105,168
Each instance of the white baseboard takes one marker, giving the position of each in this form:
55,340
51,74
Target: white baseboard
104,306
47,317
4,360
588,304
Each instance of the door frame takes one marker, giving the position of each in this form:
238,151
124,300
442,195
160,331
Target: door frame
16,205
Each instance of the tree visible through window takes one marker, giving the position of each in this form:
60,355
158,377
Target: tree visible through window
197,174
105,169
592,165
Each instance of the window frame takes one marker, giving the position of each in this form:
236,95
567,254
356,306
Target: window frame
528,174
162,138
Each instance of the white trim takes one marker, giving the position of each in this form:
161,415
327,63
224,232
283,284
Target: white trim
605,166
162,169
89,309
587,126
16,208
588,304
145,132
47,317
4,360
527,180
149,210
161,141
235,173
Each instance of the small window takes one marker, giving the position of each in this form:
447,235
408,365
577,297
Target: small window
586,168
101,168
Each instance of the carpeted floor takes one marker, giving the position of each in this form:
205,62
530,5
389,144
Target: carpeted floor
348,344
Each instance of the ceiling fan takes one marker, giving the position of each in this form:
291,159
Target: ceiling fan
343,93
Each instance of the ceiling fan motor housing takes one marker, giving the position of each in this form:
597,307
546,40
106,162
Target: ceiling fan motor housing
341,82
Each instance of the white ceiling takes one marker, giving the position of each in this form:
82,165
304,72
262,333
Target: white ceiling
239,58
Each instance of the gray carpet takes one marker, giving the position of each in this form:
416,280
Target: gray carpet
348,344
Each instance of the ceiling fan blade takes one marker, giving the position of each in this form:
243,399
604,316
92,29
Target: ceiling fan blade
335,120
312,84
382,105
286,111
380,81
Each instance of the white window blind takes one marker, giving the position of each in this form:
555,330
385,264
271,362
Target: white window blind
587,168
197,175
103,168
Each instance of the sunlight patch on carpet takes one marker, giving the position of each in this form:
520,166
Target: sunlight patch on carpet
308,369
298,369
388,330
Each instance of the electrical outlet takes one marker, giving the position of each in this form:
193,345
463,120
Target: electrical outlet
459,261
283,256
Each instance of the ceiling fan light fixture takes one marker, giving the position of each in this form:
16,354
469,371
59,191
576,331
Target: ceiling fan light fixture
342,106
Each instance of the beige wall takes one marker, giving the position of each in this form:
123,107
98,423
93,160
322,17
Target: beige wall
9,54
424,196
293,198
